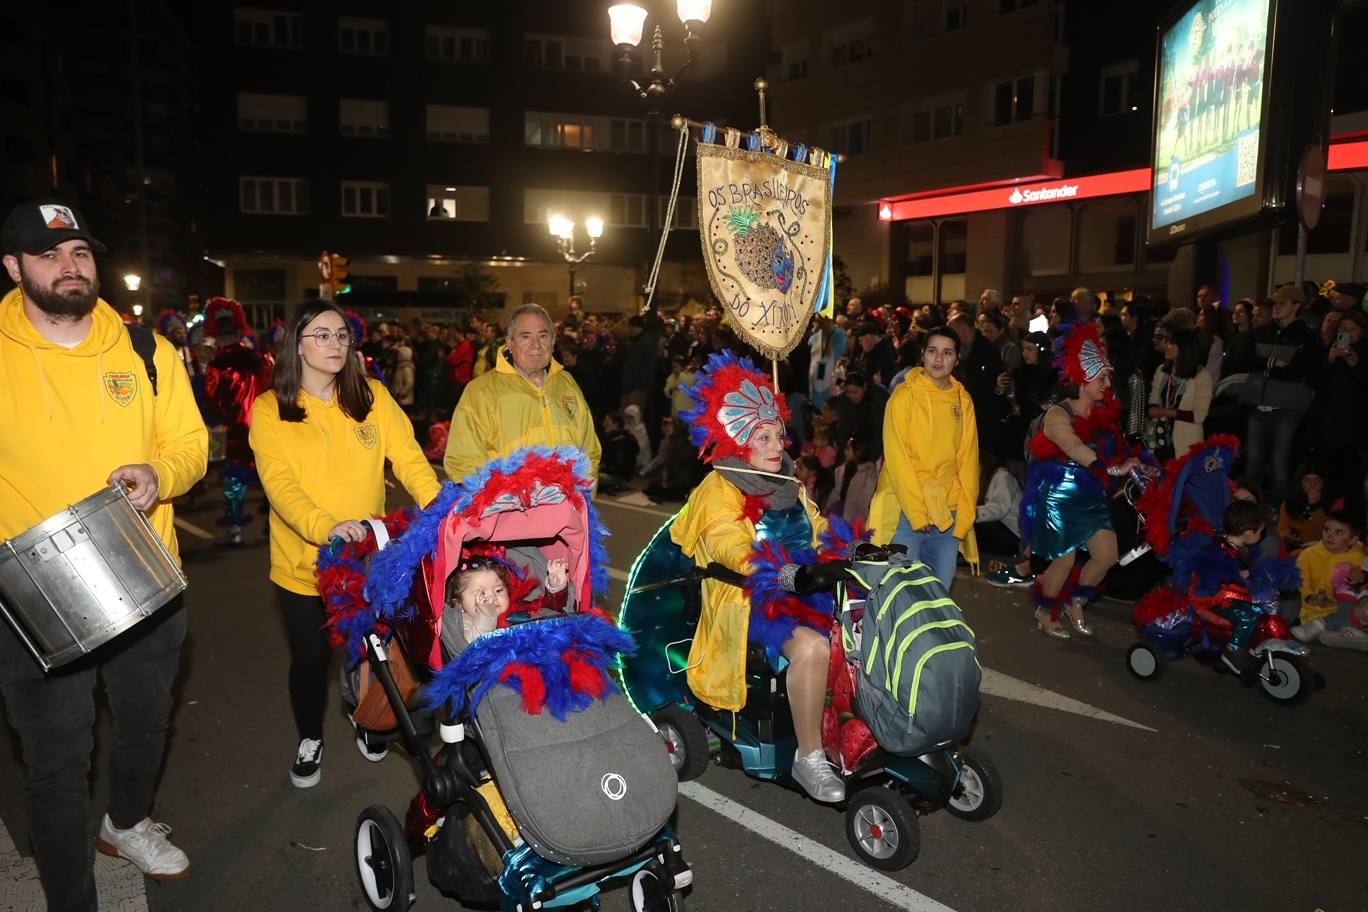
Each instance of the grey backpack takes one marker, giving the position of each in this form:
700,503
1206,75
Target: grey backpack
917,685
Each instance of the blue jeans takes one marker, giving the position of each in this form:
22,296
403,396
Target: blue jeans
1268,451
937,549
54,715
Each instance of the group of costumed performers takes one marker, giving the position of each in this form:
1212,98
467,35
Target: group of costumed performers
1077,455
321,437
753,517
233,380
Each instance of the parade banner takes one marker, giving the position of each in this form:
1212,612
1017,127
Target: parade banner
765,225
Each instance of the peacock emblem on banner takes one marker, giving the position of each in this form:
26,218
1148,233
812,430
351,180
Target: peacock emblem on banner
761,254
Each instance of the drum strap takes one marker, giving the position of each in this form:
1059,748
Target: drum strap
145,344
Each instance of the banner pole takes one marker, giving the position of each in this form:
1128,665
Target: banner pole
774,365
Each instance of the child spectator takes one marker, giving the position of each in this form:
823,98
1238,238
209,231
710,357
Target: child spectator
854,484
1351,597
1340,544
1303,512
814,477
998,520
820,446
682,375
620,453
631,422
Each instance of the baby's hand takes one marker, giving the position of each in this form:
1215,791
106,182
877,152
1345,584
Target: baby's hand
1244,574
1355,576
557,574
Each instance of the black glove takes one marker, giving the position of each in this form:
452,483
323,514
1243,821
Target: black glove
802,579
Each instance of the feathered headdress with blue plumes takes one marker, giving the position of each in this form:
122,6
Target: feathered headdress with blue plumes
732,398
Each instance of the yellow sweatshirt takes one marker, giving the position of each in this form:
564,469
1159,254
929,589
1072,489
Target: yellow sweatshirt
73,415
931,467
326,469
502,411
1316,564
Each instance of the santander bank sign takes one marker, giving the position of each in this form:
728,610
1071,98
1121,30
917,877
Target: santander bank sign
953,202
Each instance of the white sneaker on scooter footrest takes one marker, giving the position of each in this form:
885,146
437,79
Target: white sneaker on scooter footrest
818,778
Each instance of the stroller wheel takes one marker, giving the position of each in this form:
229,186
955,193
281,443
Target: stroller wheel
1144,662
685,739
652,894
883,829
383,864
979,793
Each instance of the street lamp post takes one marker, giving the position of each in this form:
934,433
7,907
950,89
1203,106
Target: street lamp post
626,24
563,230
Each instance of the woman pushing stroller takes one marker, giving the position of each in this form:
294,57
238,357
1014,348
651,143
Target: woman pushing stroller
752,516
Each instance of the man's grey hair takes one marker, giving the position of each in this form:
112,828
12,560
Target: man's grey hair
993,295
523,310
1087,293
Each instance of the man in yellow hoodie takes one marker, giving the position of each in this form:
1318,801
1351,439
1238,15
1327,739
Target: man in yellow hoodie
80,413
528,399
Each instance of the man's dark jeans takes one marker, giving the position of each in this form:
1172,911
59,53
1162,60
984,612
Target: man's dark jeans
54,715
1268,451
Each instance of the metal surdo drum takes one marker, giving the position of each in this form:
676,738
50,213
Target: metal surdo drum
80,578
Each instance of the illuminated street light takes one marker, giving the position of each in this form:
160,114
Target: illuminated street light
563,230
137,310
132,281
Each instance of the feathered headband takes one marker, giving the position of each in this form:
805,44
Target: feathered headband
225,307
731,399
1079,355
170,321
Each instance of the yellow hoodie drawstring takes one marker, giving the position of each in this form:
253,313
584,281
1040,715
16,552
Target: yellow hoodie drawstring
99,379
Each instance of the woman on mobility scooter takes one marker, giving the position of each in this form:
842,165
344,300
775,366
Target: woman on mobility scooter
1077,452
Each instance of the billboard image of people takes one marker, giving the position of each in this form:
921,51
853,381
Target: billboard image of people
1209,109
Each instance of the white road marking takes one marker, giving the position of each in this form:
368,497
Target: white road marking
615,573
997,684
120,886
867,879
635,504
187,526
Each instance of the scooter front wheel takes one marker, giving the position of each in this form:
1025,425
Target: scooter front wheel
1287,681
978,795
883,829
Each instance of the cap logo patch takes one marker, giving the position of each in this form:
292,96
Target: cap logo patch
59,218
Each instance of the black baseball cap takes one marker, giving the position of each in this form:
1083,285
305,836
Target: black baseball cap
37,226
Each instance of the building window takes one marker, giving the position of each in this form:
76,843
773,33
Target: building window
1013,100
927,121
251,285
268,28
850,137
273,195
361,117
849,43
365,199
457,204
1003,7
272,113
446,123
1120,90
685,212
793,61
362,36
457,45
373,284
565,52
577,131
627,210
956,15
627,136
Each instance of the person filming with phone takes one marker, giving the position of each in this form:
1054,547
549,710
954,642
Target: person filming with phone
1340,384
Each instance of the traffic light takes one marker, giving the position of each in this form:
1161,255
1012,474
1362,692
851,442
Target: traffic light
341,268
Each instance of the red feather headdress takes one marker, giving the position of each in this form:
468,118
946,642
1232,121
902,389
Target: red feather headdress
220,307
1079,353
732,398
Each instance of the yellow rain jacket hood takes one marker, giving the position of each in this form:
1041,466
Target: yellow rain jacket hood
73,415
502,411
931,462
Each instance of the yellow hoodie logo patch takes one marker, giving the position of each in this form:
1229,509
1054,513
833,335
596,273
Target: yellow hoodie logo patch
122,386
367,435
568,403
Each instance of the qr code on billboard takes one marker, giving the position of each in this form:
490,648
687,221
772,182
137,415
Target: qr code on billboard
1247,159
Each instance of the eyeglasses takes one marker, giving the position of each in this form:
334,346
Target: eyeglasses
325,337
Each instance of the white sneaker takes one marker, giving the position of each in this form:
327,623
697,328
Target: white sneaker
818,778
1307,632
308,765
147,846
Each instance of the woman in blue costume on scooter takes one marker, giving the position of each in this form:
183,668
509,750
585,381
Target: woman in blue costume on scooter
752,516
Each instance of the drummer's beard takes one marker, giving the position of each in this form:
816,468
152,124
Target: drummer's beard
71,303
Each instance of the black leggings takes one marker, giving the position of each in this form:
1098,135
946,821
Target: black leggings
310,656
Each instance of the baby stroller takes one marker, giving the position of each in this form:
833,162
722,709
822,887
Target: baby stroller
886,790
1183,513
547,785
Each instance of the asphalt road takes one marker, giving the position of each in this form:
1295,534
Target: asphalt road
1198,794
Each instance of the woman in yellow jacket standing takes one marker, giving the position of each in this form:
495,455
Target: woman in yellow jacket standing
928,488
321,437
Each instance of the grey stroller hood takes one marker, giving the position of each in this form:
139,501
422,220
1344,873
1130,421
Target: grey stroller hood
584,791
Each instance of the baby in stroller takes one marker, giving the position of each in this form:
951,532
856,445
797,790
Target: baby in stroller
547,785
